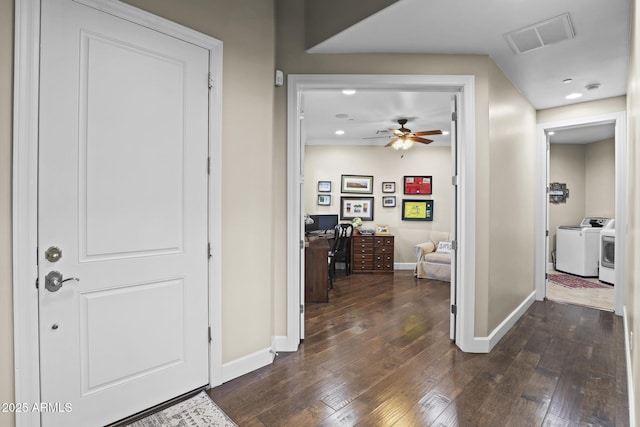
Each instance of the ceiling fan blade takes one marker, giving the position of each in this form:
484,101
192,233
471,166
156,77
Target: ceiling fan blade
428,132
397,132
391,142
423,140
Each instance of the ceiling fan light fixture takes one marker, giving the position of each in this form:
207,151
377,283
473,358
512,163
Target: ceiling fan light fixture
408,143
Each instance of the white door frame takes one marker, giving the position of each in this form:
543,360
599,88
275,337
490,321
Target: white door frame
25,189
620,120
464,84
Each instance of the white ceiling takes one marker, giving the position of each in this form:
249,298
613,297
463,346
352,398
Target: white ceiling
598,53
370,113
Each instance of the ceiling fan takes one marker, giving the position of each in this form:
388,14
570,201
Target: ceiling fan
404,138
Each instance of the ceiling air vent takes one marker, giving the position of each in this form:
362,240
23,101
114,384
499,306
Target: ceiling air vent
542,34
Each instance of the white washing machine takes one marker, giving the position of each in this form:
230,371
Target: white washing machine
608,256
578,246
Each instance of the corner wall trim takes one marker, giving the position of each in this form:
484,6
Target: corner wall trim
246,364
486,344
627,353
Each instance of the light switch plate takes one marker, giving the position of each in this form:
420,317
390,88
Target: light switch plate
279,78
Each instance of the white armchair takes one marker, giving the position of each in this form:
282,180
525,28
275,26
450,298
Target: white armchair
431,262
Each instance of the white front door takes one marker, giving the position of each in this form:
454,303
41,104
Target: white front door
123,194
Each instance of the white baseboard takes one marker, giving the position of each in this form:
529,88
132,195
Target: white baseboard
486,344
404,266
246,364
630,384
283,343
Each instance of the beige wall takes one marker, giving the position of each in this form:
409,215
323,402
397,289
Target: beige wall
583,109
567,166
323,22
328,163
6,293
632,280
600,179
513,130
511,220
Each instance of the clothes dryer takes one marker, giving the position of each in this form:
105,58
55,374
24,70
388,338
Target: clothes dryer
607,257
578,246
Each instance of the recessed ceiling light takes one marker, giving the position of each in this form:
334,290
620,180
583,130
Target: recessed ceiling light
551,133
569,80
446,132
574,95
339,132
342,116
592,86
349,91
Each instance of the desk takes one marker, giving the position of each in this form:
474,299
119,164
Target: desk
316,270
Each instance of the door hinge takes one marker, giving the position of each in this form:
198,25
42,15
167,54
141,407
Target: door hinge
454,116
208,165
210,334
454,245
37,283
209,250
454,180
454,309
301,308
210,81
301,244
546,276
547,233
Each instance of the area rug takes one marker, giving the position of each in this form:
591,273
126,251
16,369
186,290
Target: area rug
575,282
198,411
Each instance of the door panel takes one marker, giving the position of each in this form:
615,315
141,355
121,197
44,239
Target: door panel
123,193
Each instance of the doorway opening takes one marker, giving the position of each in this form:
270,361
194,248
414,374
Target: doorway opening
299,85
586,154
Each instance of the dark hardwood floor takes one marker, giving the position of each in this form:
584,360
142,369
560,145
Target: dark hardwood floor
379,354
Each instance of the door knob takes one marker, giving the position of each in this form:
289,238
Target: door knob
53,281
53,254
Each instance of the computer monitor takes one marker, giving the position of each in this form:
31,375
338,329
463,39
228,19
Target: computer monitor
322,223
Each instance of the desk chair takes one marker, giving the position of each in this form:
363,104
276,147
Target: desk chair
341,250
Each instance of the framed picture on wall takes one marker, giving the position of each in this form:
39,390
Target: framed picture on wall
418,184
362,184
388,187
324,186
356,207
324,199
389,202
417,210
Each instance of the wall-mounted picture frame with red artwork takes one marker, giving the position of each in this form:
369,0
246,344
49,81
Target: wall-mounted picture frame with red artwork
418,184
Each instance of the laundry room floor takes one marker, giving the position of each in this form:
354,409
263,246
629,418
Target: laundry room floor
600,298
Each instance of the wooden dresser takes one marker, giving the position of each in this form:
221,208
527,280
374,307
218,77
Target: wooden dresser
371,254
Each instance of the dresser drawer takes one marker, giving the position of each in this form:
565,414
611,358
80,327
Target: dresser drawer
383,250
383,241
362,257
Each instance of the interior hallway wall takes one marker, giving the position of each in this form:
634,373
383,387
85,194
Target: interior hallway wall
6,282
632,280
600,179
492,116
